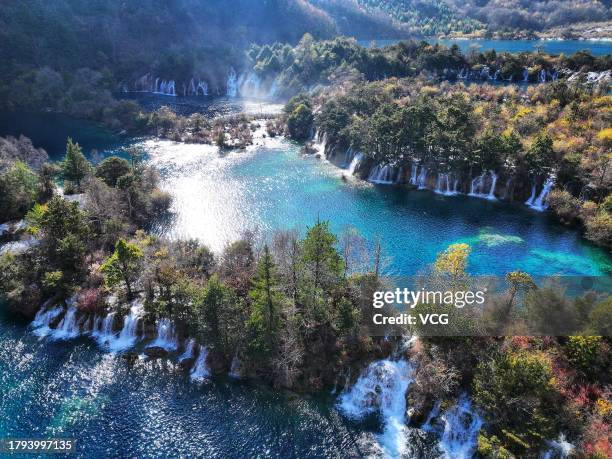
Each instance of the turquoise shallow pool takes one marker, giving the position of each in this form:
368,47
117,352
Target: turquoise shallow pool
219,195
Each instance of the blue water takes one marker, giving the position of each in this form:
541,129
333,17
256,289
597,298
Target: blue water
73,390
270,186
597,48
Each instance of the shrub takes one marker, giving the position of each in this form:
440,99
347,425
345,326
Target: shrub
516,390
19,188
599,229
111,169
564,205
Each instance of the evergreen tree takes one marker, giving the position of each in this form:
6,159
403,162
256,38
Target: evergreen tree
264,321
123,265
220,317
75,166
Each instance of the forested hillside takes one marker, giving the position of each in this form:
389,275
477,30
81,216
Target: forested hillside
435,17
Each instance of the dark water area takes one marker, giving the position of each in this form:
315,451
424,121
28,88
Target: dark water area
211,107
50,131
596,47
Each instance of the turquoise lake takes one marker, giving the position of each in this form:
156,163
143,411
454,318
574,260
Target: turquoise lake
219,195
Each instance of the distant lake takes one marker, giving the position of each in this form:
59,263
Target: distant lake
596,47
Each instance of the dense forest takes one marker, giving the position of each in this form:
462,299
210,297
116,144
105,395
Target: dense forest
311,63
489,16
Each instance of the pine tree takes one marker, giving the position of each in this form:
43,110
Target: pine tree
264,321
75,166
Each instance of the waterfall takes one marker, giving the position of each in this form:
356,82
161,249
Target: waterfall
496,75
559,448
166,336
68,328
127,336
422,179
382,175
102,330
355,163
529,201
188,354
400,175
491,194
251,86
320,142
232,83
443,185
477,187
461,428
539,202
200,370
525,74
165,87
273,89
485,73
382,389
542,76
413,174
203,87
41,324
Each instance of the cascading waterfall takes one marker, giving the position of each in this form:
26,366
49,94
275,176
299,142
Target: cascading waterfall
251,86
559,449
165,87
355,163
542,77
320,142
202,87
443,185
539,202
491,194
188,354
382,175
525,74
166,336
232,83
68,327
461,427
41,324
532,197
128,334
200,370
413,174
102,330
399,178
477,187
422,179
382,389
